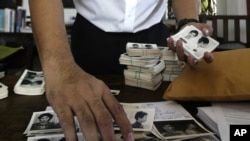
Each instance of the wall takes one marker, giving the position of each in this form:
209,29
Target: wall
232,7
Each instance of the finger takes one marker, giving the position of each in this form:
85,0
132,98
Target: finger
103,117
192,62
208,57
120,116
180,51
67,123
86,120
207,31
170,44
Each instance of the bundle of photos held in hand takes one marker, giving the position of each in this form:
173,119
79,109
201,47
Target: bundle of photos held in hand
194,42
146,64
166,120
30,83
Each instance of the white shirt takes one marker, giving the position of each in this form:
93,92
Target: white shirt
122,15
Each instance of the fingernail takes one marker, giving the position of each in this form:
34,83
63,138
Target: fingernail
206,31
167,38
131,136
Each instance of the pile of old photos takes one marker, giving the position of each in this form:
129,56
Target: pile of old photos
154,121
143,65
173,66
148,65
194,42
30,83
3,91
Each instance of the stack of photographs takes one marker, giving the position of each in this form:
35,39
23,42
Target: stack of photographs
144,65
173,66
171,122
139,61
30,83
194,42
140,49
3,91
153,121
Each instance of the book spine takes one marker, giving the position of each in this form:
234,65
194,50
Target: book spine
2,20
9,20
20,19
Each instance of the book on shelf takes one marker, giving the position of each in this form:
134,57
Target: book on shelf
20,19
7,20
13,20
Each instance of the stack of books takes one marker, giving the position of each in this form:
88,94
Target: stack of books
30,83
3,91
144,66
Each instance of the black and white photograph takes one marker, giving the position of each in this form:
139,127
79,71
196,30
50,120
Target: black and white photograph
173,129
30,83
194,42
140,119
32,79
142,49
43,122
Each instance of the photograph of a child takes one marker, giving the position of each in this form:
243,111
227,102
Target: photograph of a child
45,121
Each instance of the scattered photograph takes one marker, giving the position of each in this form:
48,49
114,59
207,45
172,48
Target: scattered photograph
43,122
180,128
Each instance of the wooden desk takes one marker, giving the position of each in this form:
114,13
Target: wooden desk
16,110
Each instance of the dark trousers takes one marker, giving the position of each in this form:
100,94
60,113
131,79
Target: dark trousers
97,52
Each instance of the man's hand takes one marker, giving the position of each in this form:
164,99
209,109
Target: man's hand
76,93
191,61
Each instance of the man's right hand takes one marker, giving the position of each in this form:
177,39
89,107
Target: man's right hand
73,92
